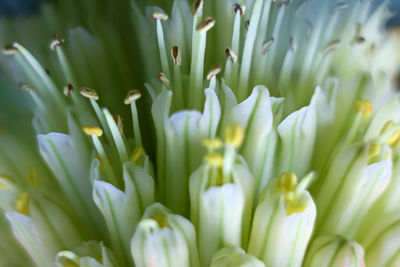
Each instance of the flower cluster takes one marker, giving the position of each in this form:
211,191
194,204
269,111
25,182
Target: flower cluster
222,133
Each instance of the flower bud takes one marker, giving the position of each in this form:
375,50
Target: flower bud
228,257
334,251
382,241
164,239
283,222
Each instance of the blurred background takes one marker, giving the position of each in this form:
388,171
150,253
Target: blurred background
26,7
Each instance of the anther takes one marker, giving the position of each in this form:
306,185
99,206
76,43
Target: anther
26,87
198,8
6,181
159,16
176,56
215,143
214,159
89,93
359,40
10,50
232,56
90,130
287,182
363,106
293,44
118,121
214,71
266,45
136,154
163,79
239,8
205,26
234,135
56,43
332,45
246,24
33,177
374,150
22,203
68,89
132,96
394,137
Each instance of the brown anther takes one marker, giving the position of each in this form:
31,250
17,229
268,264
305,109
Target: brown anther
359,40
197,8
214,71
293,44
206,25
56,43
89,93
132,96
231,55
68,89
159,16
239,8
246,24
10,50
26,87
332,45
176,56
266,45
163,79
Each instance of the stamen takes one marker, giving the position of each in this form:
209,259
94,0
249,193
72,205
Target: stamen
163,79
267,44
10,50
247,24
131,99
198,8
214,159
136,154
33,177
161,220
359,40
363,106
26,87
67,259
374,150
132,96
118,121
239,8
89,93
233,135
394,137
159,16
205,26
89,130
332,45
231,55
56,43
293,44
214,71
68,89
212,144
287,182
176,56
6,181
22,204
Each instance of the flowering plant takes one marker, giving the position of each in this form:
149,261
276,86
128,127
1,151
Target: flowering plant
286,156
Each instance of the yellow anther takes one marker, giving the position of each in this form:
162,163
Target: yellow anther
33,177
294,207
136,154
289,196
287,182
214,159
374,150
363,106
233,135
161,220
212,143
89,130
395,137
22,204
6,181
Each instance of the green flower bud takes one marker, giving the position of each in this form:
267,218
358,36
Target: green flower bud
334,251
164,239
283,222
235,257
